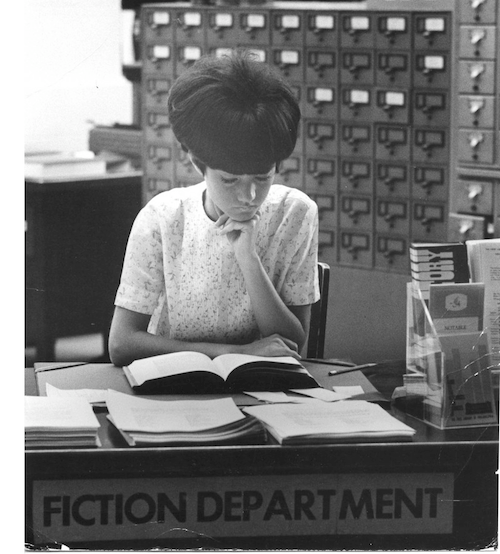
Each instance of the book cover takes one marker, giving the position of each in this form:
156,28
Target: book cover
484,261
438,263
457,308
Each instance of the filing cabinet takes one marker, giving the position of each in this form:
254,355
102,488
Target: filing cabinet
397,98
475,202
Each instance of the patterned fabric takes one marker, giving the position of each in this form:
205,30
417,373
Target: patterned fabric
182,271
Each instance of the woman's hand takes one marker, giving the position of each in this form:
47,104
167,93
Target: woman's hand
240,234
274,345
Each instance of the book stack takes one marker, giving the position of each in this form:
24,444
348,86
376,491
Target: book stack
59,423
328,422
146,422
43,167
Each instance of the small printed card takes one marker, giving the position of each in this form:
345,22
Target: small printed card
457,308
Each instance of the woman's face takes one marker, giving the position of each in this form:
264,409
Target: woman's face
237,196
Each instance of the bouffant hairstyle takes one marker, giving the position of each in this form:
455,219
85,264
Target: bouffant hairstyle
234,113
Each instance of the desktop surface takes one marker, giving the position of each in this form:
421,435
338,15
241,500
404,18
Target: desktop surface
437,491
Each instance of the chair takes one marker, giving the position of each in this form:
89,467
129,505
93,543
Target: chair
317,328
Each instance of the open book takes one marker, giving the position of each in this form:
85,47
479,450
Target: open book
194,373
329,422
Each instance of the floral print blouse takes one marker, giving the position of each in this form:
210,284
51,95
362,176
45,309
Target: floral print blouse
182,271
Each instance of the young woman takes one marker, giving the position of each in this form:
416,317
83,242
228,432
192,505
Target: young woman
229,264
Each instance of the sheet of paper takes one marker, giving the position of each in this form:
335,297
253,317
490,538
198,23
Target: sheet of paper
41,412
133,413
271,397
322,394
348,390
94,396
279,397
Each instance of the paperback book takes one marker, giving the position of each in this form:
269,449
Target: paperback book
59,423
436,263
329,422
147,422
193,373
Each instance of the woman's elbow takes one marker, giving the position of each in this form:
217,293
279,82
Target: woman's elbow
119,352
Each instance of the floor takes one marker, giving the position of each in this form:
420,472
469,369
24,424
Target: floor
82,348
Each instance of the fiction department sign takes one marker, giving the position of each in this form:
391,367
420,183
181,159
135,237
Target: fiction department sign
149,508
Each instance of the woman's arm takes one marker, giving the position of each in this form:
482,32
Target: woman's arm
129,340
271,313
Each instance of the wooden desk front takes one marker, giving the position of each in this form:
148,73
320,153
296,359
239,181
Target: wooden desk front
437,492
76,234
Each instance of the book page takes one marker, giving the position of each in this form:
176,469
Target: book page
228,362
42,412
343,418
132,413
166,365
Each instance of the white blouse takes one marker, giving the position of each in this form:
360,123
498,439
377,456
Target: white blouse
182,271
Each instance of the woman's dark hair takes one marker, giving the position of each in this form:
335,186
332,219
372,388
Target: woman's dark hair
234,113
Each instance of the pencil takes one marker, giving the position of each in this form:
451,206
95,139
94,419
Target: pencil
349,369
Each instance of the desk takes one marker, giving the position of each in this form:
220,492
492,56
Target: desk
437,492
76,234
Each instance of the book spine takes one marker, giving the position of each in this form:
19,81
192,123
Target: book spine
438,263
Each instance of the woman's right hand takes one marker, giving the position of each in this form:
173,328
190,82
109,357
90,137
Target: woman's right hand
274,345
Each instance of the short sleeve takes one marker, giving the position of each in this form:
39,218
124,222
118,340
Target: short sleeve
300,286
142,279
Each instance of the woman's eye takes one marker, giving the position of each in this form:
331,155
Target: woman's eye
228,181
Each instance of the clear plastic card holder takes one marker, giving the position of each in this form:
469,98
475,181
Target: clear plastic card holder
452,372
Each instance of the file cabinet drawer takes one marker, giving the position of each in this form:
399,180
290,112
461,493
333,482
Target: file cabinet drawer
429,221
355,248
392,216
478,41
474,197
393,32
255,28
356,175
321,175
289,62
157,26
476,77
356,139
430,182
476,146
321,66
321,29
391,253
476,111
392,179
287,28
356,31
356,212
432,31
190,26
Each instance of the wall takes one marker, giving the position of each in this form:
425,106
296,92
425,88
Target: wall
72,72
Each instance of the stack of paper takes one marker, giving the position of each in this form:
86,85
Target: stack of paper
59,422
145,422
328,422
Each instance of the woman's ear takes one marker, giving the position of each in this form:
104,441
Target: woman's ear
195,165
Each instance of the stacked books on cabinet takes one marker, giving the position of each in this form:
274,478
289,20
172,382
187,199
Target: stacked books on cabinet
453,331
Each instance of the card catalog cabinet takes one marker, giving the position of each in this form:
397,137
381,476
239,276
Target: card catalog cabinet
399,101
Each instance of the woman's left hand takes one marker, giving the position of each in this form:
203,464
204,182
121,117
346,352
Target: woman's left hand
240,234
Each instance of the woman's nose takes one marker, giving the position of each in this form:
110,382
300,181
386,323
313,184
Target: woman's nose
248,192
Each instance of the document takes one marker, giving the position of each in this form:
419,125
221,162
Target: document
329,422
